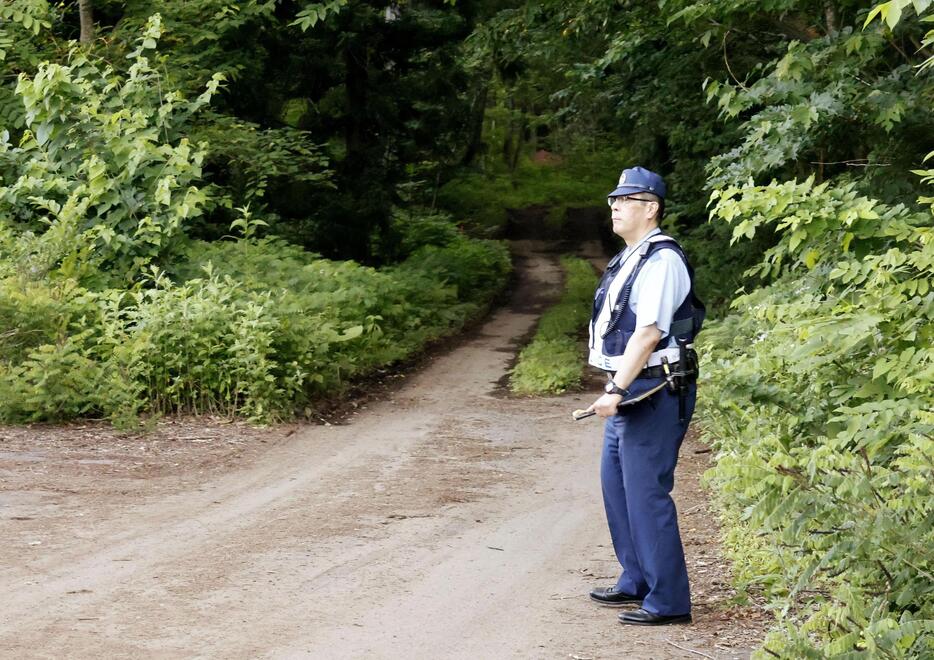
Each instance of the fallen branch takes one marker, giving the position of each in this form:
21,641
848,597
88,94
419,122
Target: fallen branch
683,648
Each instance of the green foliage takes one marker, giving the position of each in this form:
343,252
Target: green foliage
574,179
251,327
818,400
34,313
712,93
409,229
891,12
814,93
309,16
18,17
200,39
551,363
22,48
548,366
103,175
265,169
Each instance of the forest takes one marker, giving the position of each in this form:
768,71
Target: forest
238,208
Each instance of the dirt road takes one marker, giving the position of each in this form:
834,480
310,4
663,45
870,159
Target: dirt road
444,520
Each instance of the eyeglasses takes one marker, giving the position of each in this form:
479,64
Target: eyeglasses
625,200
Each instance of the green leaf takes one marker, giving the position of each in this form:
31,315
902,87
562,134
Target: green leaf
43,132
878,10
350,333
894,14
847,239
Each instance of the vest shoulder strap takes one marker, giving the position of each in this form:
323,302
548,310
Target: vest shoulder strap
695,321
690,325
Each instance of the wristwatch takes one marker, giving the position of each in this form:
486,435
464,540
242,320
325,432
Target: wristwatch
612,388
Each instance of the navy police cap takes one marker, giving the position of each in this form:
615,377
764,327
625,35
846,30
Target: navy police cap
638,179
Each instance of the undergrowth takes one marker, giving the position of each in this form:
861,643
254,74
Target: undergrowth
252,327
818,399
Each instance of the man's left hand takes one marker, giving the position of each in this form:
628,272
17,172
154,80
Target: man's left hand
606,405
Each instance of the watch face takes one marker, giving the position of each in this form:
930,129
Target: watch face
609,387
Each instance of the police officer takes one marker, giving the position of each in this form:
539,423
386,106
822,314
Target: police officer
645,315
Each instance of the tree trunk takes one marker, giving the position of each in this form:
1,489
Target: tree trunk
477,116
86,14
355,82
830,15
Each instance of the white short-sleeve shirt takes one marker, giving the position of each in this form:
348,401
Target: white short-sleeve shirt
660,288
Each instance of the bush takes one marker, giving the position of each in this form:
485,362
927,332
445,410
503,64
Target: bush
103,173
254,328
35,313
410,229
818,399
554,360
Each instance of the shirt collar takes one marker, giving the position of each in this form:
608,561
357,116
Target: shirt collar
629,250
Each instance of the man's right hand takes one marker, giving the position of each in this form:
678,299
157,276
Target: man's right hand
606,405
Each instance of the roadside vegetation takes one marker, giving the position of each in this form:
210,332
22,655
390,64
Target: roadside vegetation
551,363
110,307
818,393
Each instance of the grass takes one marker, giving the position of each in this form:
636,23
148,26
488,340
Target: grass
554,360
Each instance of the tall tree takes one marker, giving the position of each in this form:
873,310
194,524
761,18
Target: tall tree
86,14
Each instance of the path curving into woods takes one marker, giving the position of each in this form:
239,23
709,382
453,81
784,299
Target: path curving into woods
441,519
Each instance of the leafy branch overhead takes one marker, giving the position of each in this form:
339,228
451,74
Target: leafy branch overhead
310,15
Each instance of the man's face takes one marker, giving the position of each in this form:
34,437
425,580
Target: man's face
632,215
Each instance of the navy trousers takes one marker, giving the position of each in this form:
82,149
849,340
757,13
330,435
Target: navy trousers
640,451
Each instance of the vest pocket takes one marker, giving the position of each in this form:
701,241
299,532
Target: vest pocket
615,342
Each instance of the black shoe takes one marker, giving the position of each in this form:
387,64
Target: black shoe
610,597
640,617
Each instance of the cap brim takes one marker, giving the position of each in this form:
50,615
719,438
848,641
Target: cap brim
629,190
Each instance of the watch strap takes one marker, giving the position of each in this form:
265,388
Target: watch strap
613,388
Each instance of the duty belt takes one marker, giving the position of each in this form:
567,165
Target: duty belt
678,375
653,372
658,371
679,379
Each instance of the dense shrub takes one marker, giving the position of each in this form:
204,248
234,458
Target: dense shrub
554,359
818,399
103,174
252,327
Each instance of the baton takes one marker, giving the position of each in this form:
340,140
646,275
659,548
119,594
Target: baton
583,414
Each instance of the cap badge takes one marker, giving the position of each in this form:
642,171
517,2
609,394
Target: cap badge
622,178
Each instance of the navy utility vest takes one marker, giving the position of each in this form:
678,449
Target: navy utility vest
687,320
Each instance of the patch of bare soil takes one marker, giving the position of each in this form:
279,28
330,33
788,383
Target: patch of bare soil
439,519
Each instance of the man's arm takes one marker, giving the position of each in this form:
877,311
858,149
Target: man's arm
638,349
